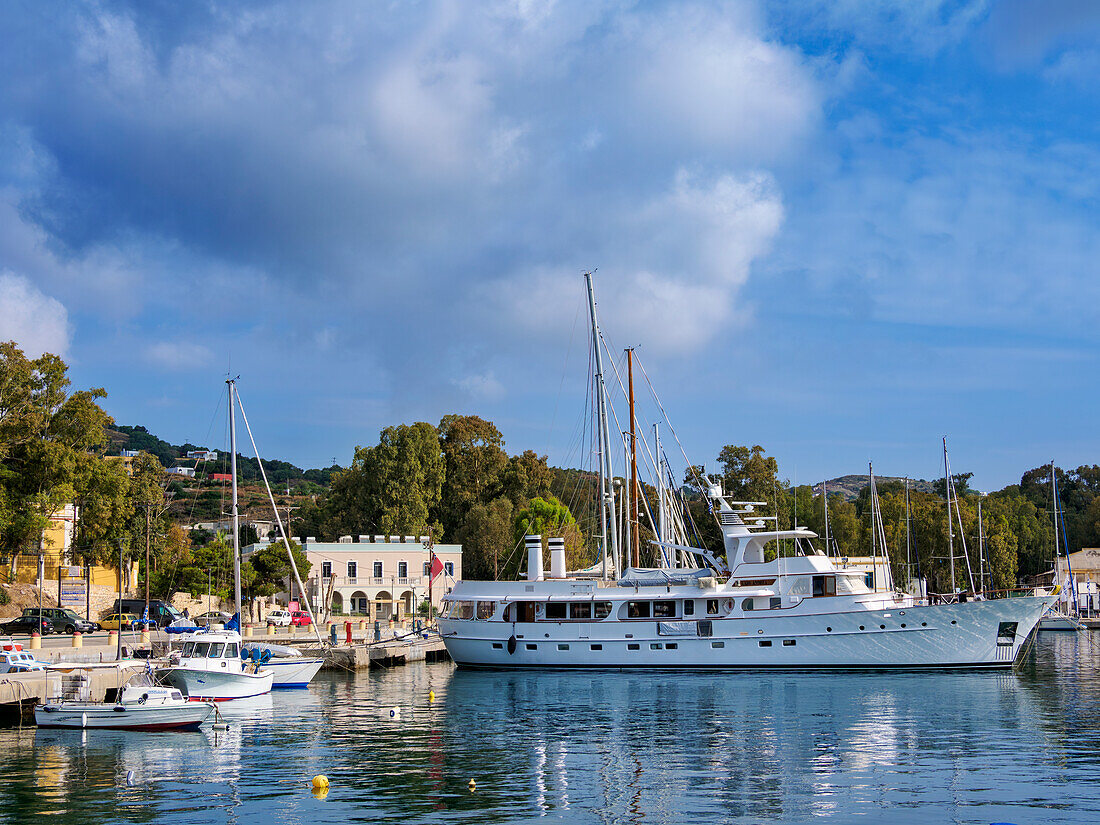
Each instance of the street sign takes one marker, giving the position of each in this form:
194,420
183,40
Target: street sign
73,593
76,572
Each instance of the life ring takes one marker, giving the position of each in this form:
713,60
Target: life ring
728,605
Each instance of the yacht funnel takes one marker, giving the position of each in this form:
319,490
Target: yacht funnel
557,558
534,557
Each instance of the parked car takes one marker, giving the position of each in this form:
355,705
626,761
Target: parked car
213,617
161,614
62,619
279,618
27,624
300,618
117,621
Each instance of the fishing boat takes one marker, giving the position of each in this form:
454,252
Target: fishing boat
291,668
209,667
747,607
141,705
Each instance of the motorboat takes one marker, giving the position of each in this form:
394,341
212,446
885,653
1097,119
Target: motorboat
291,668
141,705
209,667
13,659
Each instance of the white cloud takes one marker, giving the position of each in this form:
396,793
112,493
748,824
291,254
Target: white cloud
36,322
482,387
178,355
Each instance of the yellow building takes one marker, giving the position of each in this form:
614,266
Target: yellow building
58,562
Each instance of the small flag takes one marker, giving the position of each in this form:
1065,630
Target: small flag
436,568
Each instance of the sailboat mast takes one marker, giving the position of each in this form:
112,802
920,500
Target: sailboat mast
235,512
981,547
908,543
950,529
634,525
825,499
660,462
605,479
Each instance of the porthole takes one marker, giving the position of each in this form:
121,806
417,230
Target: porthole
953,622
903,624
828,630
882,627
924,624
760,631
861,627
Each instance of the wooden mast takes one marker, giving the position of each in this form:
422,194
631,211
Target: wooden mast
634,525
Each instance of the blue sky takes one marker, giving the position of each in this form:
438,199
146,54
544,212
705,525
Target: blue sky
838,229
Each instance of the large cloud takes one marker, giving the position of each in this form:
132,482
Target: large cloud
36,322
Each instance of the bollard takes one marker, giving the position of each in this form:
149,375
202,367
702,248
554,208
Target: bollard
112,638
145,634
270,629
36,641
248,630
332,633
347,628
362,624
391,622
377,631
78,640
292,628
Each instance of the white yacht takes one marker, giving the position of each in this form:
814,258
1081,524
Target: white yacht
752,608
209,667
141,705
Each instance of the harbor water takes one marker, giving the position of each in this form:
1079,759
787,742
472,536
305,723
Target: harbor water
1020,746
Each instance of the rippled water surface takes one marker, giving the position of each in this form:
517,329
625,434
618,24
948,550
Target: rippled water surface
583,747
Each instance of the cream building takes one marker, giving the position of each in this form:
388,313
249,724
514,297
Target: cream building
375,577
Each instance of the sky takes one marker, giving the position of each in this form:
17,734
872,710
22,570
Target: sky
841,230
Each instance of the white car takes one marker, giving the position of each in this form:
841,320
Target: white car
279,618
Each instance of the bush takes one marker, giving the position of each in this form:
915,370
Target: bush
5,598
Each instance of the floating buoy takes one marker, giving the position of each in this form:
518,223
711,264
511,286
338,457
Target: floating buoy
221,726
472,786
320,782
431,695
395,712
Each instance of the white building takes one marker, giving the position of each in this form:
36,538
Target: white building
189,472
374,577
203,455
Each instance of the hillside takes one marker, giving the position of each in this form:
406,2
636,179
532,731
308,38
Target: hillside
849,486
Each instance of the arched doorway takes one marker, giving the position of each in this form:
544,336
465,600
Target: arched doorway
359,603
383,605
337,603
408,603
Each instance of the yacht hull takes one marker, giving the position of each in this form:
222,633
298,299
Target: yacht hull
293,673
217,686
977,635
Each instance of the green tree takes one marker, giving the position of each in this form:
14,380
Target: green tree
473,449
548,517
487,540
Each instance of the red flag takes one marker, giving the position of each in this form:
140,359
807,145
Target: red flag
436,568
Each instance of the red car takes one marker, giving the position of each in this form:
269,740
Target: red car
300,618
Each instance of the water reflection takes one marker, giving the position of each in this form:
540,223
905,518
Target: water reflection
600,748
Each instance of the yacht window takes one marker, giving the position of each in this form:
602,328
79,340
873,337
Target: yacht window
789,643
188,649
200,649
177,695
765,643
632,647
485,610
216,649
637,610
601,610
664,610
746,604
580,610
689,607
532,646
563,647
596,647
824,586
775,602
672,646
465,610
655,646
717,644
497,646
231,651
556,610
712,607
869,579
523,612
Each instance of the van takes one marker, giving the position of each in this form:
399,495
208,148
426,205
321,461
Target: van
161,614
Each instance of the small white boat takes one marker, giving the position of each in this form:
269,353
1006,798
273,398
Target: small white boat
210,668
291,669
1056,620
14,660
139,707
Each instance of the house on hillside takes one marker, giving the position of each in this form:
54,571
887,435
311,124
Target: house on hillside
188,472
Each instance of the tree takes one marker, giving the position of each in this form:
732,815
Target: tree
486,539
549,517
272,569
750,475
474,452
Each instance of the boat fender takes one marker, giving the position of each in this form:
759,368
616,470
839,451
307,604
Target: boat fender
119,709
265,657
511,645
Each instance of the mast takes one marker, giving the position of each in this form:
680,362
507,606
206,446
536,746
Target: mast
662,534
908,543
950,529
634,525
236,514
1065,542
825,498
981,547
605,479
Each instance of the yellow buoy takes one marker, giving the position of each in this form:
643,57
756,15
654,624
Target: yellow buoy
320,782
431,695
472,786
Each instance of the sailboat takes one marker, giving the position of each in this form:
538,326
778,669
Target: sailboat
1056,618
744,610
